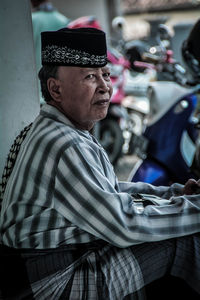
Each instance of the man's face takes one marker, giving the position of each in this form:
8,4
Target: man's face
84,94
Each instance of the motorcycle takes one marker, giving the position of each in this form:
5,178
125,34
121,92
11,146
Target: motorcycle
167,146
134,49
140,74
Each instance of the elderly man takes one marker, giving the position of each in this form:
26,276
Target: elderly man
68,228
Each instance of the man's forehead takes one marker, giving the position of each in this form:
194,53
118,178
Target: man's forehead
85,70
82,70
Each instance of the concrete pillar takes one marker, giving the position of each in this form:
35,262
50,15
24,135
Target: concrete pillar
19,102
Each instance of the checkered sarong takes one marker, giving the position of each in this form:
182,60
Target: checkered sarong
99,272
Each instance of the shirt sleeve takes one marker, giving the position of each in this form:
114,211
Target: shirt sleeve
146,188
87,195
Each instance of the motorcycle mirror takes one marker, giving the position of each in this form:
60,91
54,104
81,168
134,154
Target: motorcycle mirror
164,32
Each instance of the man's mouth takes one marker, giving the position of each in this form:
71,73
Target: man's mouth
102,102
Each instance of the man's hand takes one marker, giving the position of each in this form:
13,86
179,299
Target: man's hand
191,187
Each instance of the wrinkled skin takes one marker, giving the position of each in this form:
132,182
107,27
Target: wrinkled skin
82,94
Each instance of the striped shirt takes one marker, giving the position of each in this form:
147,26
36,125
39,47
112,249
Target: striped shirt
63,190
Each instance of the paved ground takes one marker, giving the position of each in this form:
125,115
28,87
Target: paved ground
124,166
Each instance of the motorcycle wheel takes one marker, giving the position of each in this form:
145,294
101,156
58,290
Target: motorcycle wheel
110,136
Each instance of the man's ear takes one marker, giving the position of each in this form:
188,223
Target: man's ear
53,85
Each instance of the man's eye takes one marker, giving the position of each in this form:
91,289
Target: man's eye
90,76
106,75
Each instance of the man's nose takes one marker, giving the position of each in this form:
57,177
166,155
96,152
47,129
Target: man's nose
104,86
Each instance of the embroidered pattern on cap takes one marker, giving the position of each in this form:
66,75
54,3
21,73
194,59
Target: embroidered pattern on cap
55,54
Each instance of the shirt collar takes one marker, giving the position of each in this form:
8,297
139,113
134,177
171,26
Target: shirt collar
53,113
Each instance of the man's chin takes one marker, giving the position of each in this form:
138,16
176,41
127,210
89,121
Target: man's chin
102,115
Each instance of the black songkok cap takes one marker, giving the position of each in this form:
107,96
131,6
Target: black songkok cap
81,47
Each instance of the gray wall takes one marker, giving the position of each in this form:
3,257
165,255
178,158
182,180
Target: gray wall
104,10
18,86
77,8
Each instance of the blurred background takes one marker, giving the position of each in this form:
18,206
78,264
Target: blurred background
179,14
